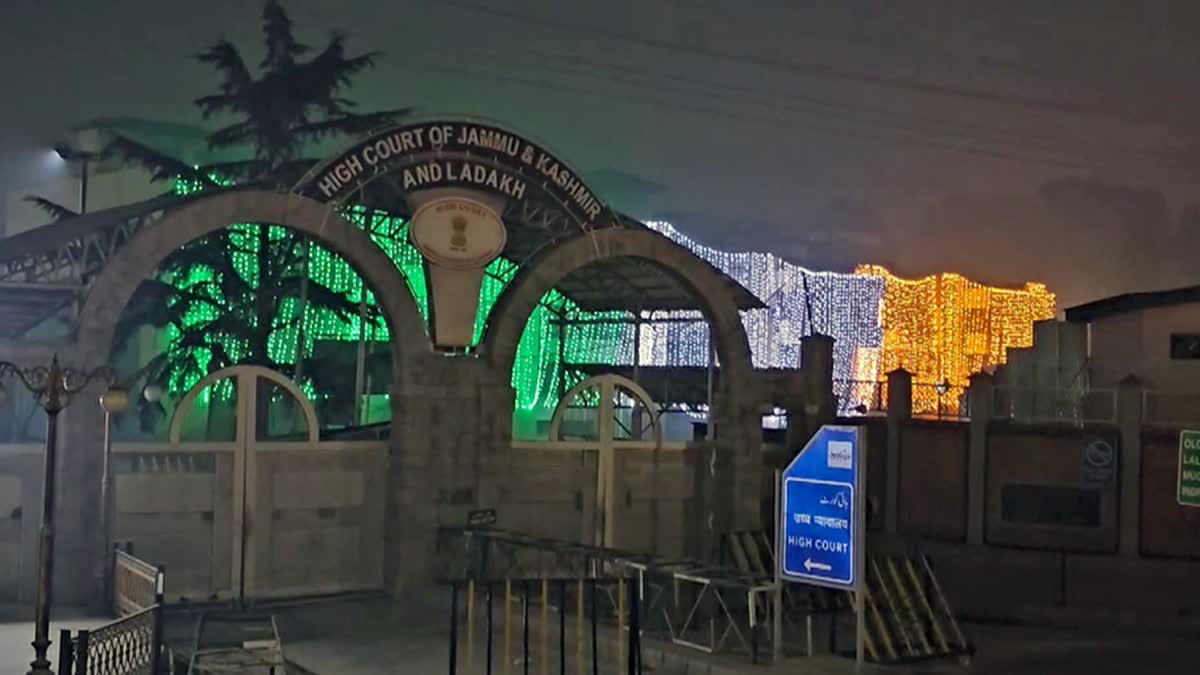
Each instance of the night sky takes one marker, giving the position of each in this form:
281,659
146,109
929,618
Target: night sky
1033,140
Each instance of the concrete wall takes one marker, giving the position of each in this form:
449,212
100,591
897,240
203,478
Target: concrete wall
1020,560
933,472
20,500
1139,344
1117,348
1056,360
1168,529
1045,457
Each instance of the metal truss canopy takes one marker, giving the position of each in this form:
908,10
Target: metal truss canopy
50,267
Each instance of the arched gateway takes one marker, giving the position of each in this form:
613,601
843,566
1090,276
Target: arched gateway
472,191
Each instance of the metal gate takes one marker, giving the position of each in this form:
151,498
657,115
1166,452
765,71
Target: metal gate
612,426
257,506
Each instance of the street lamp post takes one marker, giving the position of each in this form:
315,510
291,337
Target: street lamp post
70,154
52,387
114,401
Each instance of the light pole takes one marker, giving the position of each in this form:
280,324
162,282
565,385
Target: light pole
114,401
70,154
52,387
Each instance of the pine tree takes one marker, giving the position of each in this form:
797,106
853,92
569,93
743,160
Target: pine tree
274,115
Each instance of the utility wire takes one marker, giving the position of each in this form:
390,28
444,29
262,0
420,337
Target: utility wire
797,68
1003,138
709,111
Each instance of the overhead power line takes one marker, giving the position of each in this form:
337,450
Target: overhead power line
859,134
798,68
826,110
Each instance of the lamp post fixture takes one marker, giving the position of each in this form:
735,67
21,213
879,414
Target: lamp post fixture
943,388
52,387
114,401
85,158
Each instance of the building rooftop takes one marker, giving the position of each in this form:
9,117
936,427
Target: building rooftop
1132,302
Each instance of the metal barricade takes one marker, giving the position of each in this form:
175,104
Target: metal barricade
131,645
709,608
540,626
136,584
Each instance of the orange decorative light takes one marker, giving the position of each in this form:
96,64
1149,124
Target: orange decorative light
944,328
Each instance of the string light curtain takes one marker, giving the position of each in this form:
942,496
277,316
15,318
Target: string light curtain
943,327
844,306
536,372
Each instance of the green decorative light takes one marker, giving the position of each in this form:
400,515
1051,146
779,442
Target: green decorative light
537,370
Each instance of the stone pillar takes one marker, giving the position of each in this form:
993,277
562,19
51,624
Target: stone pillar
899,412
1129,421
78,542
797,433
450,442
980,396
730,469
816,362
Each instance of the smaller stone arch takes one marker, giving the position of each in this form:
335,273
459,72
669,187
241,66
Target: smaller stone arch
608,385
245,375
510,314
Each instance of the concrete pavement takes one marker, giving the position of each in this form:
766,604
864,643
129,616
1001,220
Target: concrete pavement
410,636
16,634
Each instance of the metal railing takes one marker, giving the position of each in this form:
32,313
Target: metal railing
860,397
1073,406
131,645
543,625
709,608
1170,408
939,400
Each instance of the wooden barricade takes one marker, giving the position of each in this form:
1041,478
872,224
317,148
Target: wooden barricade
907,618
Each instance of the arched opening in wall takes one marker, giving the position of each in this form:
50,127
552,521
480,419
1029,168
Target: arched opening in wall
245,501
627,315
610,491
264,295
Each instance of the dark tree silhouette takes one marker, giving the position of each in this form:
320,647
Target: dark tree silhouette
223,315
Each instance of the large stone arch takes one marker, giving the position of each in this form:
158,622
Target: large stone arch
145,251
727,471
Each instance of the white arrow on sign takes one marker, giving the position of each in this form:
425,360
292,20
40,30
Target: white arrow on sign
810,565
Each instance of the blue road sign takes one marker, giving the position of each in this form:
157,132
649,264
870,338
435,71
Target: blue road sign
820,508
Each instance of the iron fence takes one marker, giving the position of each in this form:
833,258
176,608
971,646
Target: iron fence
943,401
708,608
860,397
542,625
1170,408
131,645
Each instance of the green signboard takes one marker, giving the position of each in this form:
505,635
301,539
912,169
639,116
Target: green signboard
1189,468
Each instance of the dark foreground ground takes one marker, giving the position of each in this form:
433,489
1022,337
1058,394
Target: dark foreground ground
408,636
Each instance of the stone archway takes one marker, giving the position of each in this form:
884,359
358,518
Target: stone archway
730,485
512,310
139,259
143,253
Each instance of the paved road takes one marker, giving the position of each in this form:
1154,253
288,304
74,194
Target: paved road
409,636
1034,651
16,632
